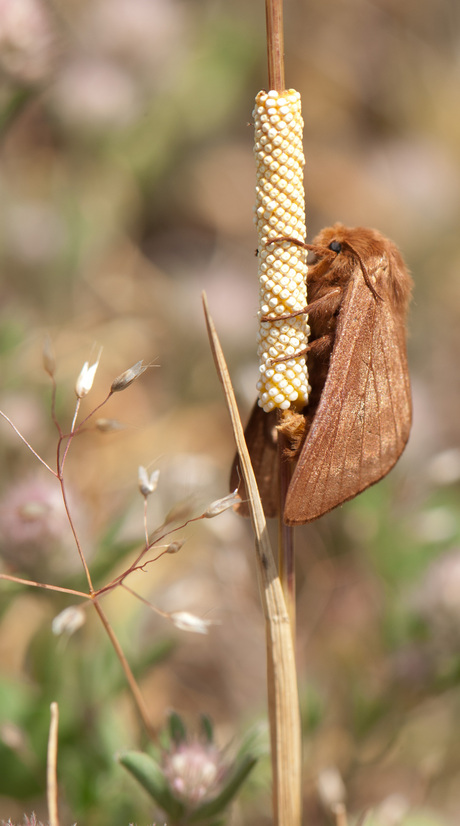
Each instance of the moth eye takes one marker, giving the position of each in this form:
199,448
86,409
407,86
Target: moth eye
335,246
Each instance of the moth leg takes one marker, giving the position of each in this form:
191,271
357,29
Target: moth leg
318,346
310,308
321,345
288,358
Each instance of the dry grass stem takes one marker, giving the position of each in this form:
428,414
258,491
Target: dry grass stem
51,767
283,700
275,44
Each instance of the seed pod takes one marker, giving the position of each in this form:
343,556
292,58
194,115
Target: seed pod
357,421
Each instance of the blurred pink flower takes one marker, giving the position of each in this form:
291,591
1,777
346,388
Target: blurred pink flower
437,597
144,33
96,94
35,233
34,525
28,821
26,39
194,770
27,412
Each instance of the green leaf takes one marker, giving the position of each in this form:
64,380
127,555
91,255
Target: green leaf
177,728
150,776
255,743
207,728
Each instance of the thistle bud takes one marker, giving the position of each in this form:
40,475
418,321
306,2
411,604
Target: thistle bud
27,821
193,782
194,770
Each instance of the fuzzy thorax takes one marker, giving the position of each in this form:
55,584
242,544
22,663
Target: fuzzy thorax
280,213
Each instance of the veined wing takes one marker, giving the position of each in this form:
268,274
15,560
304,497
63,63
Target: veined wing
363,419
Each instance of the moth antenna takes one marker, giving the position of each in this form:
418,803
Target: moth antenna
364,269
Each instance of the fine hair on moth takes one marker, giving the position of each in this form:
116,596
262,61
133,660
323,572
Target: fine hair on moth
358,417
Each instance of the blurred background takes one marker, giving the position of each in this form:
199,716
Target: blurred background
127,186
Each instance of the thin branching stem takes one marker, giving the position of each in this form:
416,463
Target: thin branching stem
93,412
146,530
120,580
135,690
44,586
72,427
53,406
156,539
23,439
75,535
62,451
75,431
61,460
144,601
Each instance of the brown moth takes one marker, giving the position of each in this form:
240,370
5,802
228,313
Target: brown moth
358,417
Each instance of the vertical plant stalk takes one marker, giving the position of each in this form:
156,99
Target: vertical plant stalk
286,558
51,767
275,44
340,813
283,384
283,701
280,213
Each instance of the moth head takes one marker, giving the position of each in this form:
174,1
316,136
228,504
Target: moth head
380,261
344,249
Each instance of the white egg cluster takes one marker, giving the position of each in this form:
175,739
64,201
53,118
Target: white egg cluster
280,213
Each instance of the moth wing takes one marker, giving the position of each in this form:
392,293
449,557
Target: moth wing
261,439
364,415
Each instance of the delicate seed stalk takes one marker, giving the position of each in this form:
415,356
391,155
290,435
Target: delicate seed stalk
280,212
